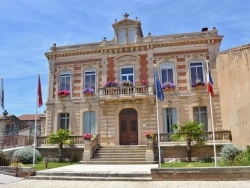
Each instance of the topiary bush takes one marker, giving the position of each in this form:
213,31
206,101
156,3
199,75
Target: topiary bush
229,154
25,155
4,159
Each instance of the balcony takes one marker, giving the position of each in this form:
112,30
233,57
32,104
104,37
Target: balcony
126,92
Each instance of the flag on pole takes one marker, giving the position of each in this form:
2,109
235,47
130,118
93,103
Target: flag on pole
210,84
158,89
39,93
2,95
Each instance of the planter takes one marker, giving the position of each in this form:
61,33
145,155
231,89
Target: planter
88,94
199,87
61,96
167,89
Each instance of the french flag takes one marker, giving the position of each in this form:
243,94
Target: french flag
210,84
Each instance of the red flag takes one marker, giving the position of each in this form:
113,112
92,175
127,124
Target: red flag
210,84
39,93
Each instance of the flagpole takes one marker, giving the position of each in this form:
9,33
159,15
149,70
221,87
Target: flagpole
157,118
212,117
158,132
34,144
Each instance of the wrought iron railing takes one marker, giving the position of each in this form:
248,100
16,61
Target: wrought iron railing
15,140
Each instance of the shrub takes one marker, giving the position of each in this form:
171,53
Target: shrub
4,159
229,154
207,159
25,155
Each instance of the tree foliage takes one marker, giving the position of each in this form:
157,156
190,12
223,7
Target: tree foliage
61,137
188,131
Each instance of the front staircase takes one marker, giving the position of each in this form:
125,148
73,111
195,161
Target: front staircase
129,154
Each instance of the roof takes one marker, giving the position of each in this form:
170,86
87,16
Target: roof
243,47
30,117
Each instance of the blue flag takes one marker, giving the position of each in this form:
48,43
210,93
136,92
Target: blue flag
2,95
158,89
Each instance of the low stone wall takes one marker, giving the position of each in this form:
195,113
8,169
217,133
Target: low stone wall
24,172
66,152
198,151
201,174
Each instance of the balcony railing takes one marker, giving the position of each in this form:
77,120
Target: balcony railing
126,91
207,136
43,140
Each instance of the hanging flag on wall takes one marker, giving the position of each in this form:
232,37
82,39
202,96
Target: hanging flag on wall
210,84
39,93
2,94
158,89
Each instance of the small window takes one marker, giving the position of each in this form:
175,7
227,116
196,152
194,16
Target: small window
131,36
127,73
64,81
167,73
89,122
64,121
90,79
196,71
121,37
169,119
200,115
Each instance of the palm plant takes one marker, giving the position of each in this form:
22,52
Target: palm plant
189,131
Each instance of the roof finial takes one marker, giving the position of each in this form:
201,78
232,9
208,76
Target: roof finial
125,15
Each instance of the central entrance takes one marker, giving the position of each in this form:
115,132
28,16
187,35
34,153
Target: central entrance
128,127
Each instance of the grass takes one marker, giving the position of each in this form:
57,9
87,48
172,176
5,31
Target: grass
186,164
42,165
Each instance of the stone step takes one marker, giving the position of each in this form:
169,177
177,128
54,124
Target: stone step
118,155
118,162
76,178
118,159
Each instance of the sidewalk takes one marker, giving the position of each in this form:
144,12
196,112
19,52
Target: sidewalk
14,182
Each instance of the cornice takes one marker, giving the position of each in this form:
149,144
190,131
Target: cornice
124,48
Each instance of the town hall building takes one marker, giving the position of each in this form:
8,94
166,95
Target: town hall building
107,87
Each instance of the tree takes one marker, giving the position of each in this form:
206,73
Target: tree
61,137
189,131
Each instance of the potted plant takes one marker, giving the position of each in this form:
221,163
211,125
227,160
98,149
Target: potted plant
168,86
88,91
111,84
126,83
63,93
141,82
87,136
149,135
198,84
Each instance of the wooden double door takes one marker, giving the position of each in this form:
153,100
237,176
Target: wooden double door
128,127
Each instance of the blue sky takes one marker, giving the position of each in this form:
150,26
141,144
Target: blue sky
28,28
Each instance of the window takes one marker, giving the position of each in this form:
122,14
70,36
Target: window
64,121
200,115
127,73
167,73
121,37
131,36
90,78
126,36
89,122
64,81
196,70
169,119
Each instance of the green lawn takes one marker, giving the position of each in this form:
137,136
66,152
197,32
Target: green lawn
42,165
186,164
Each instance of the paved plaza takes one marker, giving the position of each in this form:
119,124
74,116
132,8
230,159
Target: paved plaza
14,182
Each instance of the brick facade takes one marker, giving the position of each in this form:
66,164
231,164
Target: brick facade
107,58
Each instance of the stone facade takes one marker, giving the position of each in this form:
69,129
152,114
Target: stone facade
107,58
233,72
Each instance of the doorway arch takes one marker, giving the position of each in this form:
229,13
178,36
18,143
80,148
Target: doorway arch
128,127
